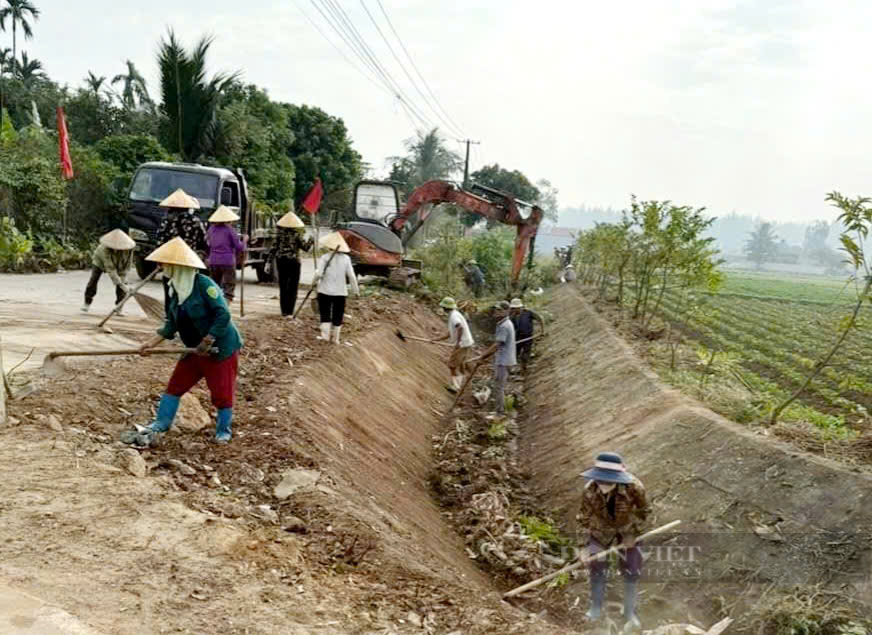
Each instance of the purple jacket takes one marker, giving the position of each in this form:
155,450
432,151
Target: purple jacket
224,244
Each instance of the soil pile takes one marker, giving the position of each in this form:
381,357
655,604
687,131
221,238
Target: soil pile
316,518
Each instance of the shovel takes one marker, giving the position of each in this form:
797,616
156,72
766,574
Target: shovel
52,366
151,307
583,561
481,360
403,337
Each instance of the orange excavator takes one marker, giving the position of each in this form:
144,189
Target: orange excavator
381,228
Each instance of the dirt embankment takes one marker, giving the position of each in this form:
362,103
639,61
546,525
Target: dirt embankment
766,517
206,545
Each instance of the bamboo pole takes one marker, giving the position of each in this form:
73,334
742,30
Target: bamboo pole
581,562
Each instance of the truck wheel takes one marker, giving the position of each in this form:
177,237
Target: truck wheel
144,267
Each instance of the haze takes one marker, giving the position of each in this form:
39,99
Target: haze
755,107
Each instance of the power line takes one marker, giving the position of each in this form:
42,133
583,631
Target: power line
338,50
341,16
408,75
415,66
337,28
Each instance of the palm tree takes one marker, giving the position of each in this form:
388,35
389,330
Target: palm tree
18,11
5,60
95,83
427,158
27,69
189,99
134,90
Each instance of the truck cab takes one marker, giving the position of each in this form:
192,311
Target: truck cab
212,187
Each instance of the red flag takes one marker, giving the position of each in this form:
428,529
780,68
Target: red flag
313,199
64,146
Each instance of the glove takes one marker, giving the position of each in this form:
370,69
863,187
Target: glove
205,346
124,288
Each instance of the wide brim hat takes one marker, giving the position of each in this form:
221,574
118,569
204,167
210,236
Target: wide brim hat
516,303
448,303
472,262
290,220
502,305
181,200
117,239
333,240
608,468
570,266
176,252
223,215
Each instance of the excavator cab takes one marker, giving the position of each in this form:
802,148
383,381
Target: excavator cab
376,201
376,249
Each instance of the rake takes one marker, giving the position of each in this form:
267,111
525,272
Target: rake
150,306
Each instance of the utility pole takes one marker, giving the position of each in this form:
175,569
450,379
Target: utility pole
468,142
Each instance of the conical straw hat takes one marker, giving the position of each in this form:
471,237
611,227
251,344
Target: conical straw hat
176,252
117,239
333,240
181,200
223,215
290,220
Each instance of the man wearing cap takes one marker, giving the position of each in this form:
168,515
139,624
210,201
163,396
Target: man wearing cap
614,508
522,319
181,221
473,277
504,359
196,311
225,246
286,251
461,337
332,276
113,256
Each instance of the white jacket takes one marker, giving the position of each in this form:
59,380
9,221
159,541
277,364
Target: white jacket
332,281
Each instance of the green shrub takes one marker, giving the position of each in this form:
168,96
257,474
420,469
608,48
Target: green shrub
15,247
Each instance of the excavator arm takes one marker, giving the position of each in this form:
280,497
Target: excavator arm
492,204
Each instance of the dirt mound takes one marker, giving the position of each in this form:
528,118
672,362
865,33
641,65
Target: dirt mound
766,517
352,543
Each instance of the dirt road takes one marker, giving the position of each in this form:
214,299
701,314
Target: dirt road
41,313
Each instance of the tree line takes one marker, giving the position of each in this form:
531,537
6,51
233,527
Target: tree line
117,123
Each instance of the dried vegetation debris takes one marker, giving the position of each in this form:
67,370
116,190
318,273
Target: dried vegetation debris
312,548
479,482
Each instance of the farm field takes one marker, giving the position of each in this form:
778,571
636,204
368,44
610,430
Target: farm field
767,332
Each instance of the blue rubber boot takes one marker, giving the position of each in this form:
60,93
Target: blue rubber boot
223,425
166,413
149,436
631,620
597,595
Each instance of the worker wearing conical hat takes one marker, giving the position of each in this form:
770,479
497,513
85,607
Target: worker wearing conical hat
197,313
614,508
182,221
333,272
113,256
286,251
225,249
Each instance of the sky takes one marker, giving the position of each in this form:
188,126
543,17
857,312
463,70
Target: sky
758,107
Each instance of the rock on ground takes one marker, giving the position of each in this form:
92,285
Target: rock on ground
132,461
293,480
192,417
